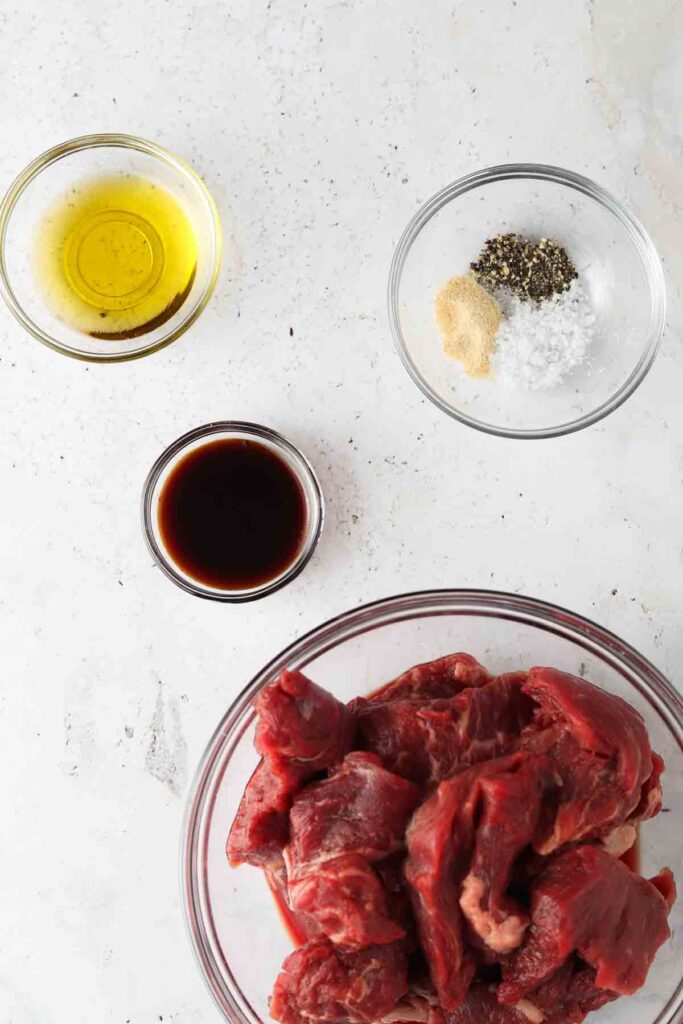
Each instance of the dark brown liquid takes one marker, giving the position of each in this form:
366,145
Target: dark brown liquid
232,514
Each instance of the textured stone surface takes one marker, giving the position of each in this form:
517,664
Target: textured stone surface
319,128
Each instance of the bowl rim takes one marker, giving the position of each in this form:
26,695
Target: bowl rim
558,175
304,472
653,686
113,140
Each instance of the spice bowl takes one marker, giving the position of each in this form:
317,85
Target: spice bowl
617,265
234,925
59,179
214,513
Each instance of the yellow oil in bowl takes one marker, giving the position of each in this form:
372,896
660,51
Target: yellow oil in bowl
116,256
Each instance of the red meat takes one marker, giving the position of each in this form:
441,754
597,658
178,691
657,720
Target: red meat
301,725
566,999
442,839
346,900
504,884
360,808
320,982
337,827
567,996
301,730
261,828
428,742
601,752
589,902
510,809
443,677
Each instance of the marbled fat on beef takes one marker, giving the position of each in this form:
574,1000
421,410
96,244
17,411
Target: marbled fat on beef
431,740
338,828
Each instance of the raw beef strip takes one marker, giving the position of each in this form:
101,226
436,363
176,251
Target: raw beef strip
301,725
301,730
429,742
320,982
601,751
346,900
260,828
337,827
589,902
443,677
441,839
361,808
510,812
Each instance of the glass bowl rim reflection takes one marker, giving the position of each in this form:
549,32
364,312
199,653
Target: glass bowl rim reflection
308,481
112,140
620,656
578,182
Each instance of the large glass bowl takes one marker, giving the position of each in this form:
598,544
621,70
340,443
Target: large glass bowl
48,179
235,928
618,267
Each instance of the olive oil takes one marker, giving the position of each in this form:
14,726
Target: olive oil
116,257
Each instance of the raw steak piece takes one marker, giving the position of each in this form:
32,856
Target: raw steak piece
428,742
442,838
361,808
302,730
337,827
601,750
443,677
301,725
589,902
260,828
346,900
320,982
510,809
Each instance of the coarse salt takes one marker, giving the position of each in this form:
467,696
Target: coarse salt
539,343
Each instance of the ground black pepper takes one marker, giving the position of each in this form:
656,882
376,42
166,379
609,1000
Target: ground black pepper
531,270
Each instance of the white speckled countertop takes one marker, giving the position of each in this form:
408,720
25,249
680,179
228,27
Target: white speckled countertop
319,127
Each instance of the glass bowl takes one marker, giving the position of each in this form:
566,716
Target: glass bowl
235,430
234,926
48,179
617,264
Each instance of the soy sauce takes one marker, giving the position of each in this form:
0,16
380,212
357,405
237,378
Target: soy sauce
232,514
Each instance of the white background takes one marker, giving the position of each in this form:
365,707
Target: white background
319,127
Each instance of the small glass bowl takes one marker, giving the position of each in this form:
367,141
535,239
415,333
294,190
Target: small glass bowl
234,430
234,925
48,178
618,267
